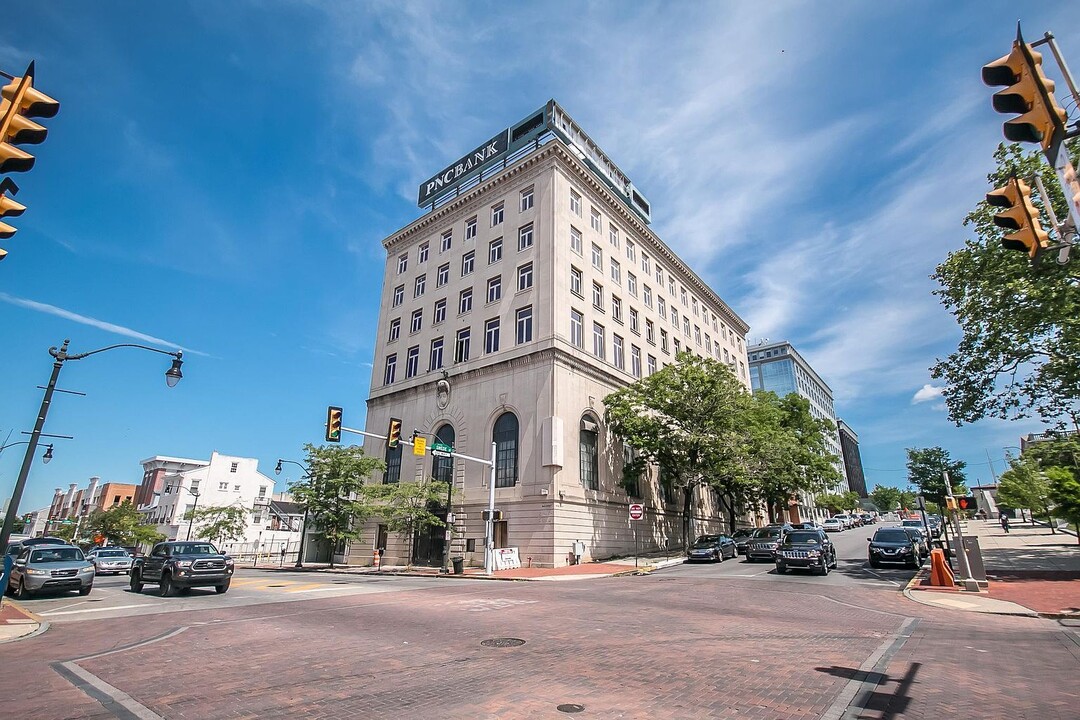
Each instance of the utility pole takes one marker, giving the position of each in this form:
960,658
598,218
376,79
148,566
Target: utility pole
954,515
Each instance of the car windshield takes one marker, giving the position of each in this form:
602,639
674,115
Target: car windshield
741,533
111,553
64,554
706,540
913,531
802,538
891,536
913,523
194,549
832,521
767,532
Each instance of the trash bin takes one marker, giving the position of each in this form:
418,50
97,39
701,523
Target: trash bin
459,565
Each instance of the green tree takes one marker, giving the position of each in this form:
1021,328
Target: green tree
121,525
1065,494
907,499
333,491
832,502
1024,485
1017,355
409,507
218,523
687,419
925,468
885,498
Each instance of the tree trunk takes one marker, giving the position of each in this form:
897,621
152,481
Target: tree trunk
688,502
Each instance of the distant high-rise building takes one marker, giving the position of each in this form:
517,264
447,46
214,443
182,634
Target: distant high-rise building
849,444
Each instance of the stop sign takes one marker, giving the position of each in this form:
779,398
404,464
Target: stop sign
637,511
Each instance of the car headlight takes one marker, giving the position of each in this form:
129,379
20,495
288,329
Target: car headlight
34,571
812,553
228,562
88,568
183,563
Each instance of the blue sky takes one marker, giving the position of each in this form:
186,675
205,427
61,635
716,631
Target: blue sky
220,177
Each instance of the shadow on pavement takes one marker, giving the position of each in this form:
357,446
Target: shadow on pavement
879,698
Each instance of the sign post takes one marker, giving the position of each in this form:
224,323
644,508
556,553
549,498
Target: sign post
637,511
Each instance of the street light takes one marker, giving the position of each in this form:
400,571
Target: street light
172,376
191,517
303,528
45,458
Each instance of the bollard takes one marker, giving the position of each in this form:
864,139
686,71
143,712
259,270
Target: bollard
940,574
378,559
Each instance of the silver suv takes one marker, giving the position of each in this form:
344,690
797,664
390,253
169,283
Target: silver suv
40,568
113,560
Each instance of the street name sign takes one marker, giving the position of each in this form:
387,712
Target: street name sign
439,449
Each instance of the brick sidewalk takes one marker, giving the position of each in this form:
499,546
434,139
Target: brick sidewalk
15,622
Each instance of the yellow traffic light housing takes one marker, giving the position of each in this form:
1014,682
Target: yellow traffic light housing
1021,216
393,433
8,207
20,101
333,424
950,503
1029,93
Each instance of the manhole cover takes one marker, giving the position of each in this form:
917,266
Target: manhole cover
502,642
570,708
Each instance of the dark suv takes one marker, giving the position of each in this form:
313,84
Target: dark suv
182,565
806,549
893,545
764,541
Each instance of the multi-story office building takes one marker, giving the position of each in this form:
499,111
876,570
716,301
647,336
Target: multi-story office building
849,445
532,289
779,368
76,503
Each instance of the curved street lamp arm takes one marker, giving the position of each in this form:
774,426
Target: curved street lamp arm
62,353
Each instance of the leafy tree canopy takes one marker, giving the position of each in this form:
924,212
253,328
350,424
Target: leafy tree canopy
837,503
925,470
1065,494
407,507
1021,326
885,498
1024,485
121,525
218,523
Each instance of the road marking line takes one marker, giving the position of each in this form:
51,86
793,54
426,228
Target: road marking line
116,701
302,588
318,589
96,609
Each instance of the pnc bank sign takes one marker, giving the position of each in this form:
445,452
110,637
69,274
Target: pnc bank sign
464,168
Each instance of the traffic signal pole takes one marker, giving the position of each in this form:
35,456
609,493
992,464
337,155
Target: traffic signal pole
954,515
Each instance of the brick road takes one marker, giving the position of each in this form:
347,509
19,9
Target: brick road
630,647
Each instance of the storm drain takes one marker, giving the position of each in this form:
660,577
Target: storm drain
570,708
502,642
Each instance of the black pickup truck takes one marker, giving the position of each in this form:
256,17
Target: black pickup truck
178,566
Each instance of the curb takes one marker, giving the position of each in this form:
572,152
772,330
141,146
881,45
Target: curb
1028,612
42,624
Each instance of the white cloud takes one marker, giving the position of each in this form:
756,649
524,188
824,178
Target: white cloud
926,393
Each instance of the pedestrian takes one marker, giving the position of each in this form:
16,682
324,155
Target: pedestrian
982,514
1004,522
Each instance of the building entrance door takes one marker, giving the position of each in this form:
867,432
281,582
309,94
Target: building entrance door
428,543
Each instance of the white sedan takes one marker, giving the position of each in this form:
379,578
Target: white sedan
832,525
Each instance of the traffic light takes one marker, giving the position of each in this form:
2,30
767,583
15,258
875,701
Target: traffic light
393,433
1029,93
1020,216
950,503
8,206
333,424
20,102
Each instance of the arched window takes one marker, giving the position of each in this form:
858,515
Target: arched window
393,464
588,453
505,437
442,468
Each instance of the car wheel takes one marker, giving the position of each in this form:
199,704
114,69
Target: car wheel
86,590
21,592
183,591
165,587
136,583
718,556
834,561
222,589
913,562
781,570
824,569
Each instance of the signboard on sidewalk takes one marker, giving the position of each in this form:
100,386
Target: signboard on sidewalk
637,511
506,558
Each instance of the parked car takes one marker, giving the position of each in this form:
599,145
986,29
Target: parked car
113,560
179,566
832,525
867,518
893,545
806,549
920,540
712,547
763,542
742,538
846,519
15,546
806,525
43,567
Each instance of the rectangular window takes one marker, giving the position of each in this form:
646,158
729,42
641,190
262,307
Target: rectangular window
646,266
575,203
631,284
663,341
470,228
682,295
617,351
412,362
635,361
440,311
442,276
395,329
494,251
417,321
491,336
461,346
576,322
678,346
418,285
422,253
391,367
616,309
651,364
697,335
526,199
660,276
468,263
525,277
494,289
630,252
575,240
650,332
447,241
616,271
575,281
598,340
646,295
634,321
525,237
661,307
594,219
402,263
613,235
693,305
496,214
399,295
686,326
465,301
675,318
671,287
524,321
708,342
597,257
598,296
435,361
